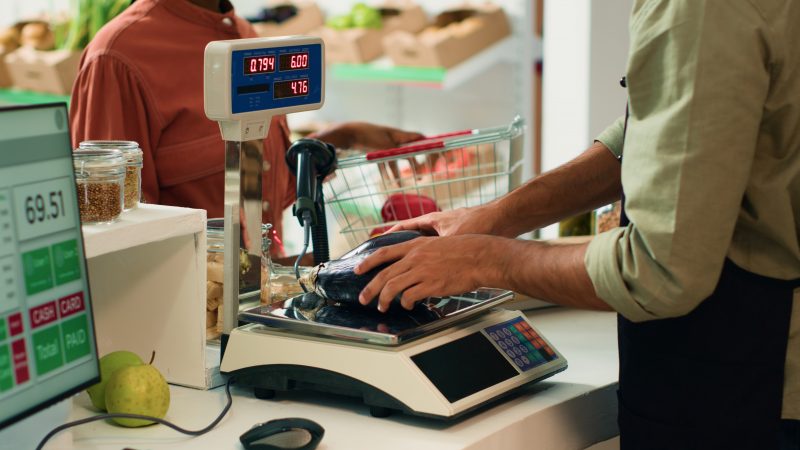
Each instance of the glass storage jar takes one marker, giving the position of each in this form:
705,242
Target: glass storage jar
99,179
607,217
215,234
133,167
283,283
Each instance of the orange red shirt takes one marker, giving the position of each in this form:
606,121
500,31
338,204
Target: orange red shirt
141,79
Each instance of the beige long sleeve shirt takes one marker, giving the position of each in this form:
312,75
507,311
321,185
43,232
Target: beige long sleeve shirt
712,159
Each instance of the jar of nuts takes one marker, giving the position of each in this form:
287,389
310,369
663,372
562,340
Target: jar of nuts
607,217
100,178
248,269
133,167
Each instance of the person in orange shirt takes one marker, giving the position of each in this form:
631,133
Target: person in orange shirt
141,79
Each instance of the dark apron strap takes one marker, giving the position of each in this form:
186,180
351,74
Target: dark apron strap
712,379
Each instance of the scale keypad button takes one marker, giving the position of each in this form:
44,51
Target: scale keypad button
521,343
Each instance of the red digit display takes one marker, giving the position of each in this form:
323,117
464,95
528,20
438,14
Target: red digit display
259,64
293,61
290,88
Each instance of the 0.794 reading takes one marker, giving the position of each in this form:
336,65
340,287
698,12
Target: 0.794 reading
37,209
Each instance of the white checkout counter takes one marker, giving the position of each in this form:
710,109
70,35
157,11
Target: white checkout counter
574,409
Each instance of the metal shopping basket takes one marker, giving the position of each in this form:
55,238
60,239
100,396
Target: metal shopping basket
373,191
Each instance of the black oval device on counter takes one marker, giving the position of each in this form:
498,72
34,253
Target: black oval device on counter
283,434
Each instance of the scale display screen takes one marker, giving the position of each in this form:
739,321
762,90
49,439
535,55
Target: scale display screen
259,64
47,347
278,77
294,61
476,361
291,88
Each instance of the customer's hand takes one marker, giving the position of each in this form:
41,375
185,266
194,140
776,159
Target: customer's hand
366,136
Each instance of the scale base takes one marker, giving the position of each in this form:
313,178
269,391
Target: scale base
270,381
443,376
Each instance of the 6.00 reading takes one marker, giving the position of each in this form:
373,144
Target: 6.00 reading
41,207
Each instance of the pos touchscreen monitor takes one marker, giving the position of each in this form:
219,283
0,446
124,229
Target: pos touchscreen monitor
47,343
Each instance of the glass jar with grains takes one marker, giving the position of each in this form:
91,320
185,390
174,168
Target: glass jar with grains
133,167
248,286
99,179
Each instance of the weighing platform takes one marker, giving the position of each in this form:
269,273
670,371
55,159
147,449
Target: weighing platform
447,357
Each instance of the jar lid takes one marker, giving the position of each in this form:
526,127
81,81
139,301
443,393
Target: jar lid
108,161
129,148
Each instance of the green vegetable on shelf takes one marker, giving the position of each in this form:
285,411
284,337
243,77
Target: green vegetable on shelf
360,16
366,17
88,17
341,22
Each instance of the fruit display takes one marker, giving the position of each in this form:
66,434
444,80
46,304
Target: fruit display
131,386
109,364
356,37
137,390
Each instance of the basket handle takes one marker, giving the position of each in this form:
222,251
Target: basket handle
399,151
450,134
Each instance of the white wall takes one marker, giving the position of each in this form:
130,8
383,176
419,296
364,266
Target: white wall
585,52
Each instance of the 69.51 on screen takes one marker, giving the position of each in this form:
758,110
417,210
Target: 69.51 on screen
43,208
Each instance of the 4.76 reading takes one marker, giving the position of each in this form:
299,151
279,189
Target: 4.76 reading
291,88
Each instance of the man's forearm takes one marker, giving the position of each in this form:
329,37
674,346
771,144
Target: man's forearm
555,273
590,180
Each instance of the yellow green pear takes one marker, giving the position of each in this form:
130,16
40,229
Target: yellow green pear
108,365
137,390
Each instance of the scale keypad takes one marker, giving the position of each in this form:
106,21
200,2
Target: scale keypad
521,343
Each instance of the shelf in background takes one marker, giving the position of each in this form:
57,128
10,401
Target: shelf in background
383,71
11,96
146,224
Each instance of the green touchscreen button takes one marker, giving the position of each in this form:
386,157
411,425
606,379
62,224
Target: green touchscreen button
38,275
6,378
47,350
65,261
76,337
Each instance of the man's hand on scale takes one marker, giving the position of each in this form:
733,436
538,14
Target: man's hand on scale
475,220
434,266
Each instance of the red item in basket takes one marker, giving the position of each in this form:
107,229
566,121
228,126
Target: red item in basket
402,207
407,206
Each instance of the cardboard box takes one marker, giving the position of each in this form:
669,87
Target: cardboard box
360,45
5,77
308,17
51,71
455,36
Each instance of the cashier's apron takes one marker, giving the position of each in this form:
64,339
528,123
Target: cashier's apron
712,379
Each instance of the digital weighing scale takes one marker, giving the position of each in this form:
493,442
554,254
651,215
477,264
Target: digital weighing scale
467,355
